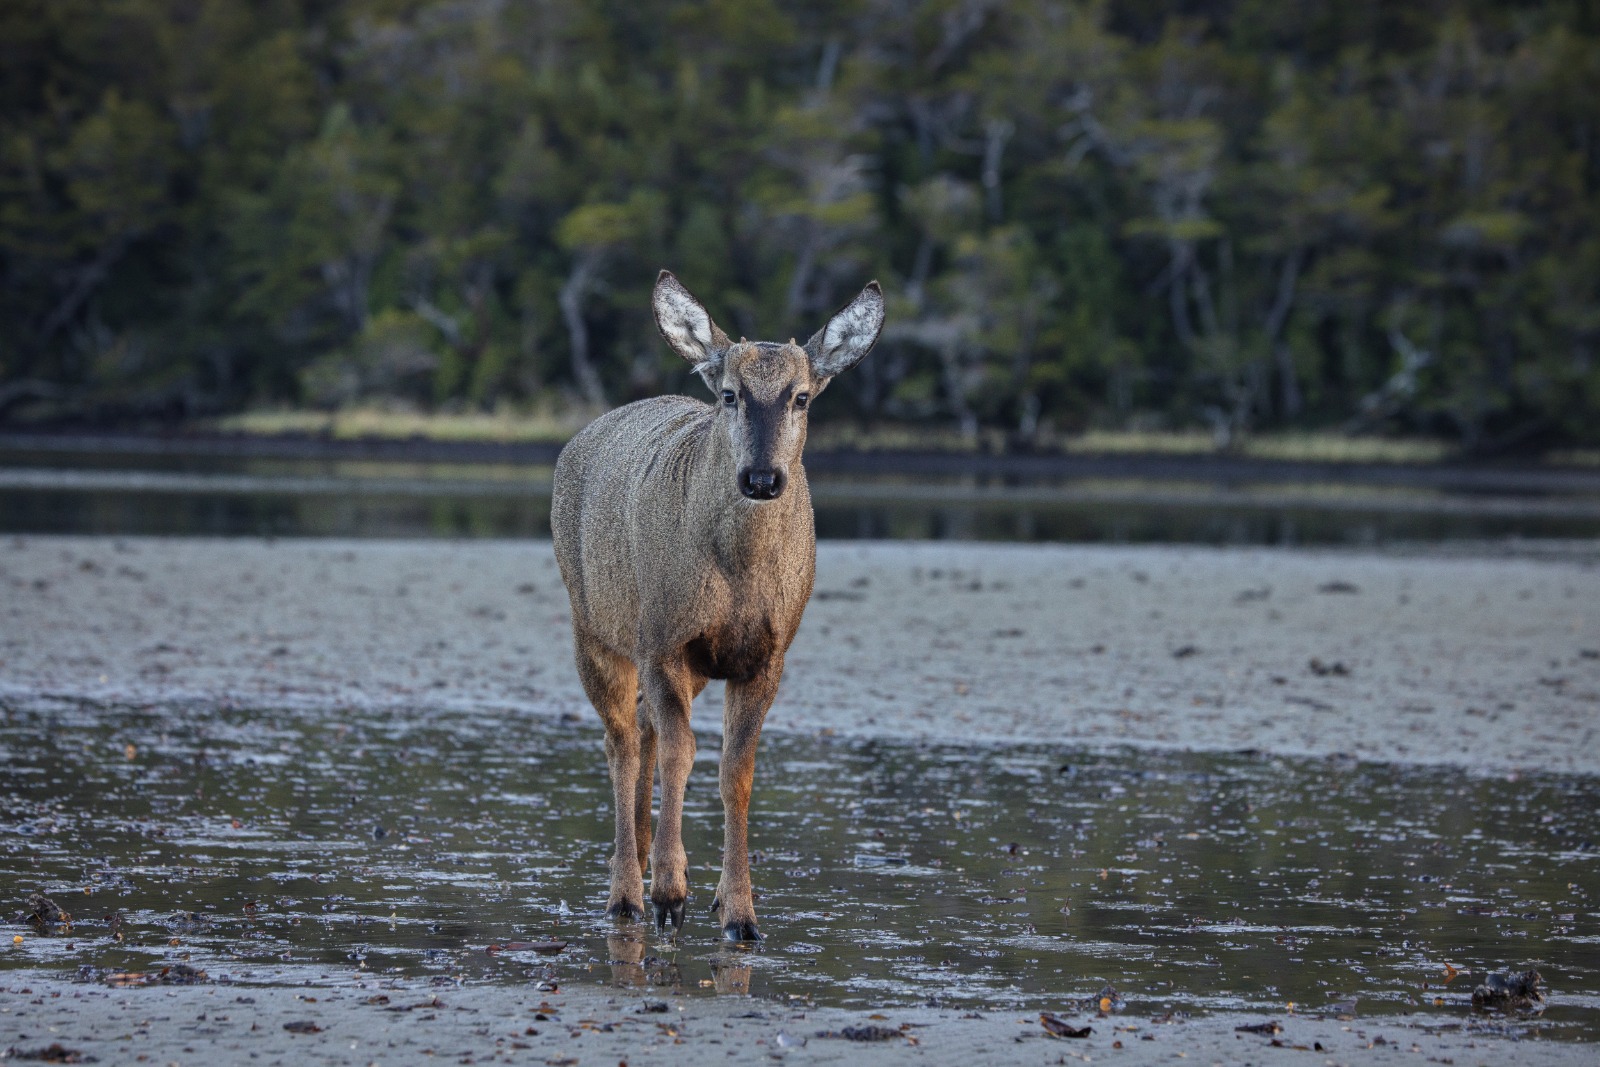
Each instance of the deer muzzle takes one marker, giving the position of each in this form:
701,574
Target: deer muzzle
762,483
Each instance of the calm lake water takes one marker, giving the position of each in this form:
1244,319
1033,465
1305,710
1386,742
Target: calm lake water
110,493
264,846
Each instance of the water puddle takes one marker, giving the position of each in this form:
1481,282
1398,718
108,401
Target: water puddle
267,847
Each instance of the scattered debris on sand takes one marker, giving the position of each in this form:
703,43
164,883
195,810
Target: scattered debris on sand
542,948
174,974
1268,1028
55,1053
870,1032
42,911
1510,991
1056,1026
1106,1002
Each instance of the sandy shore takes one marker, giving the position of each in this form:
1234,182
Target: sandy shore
1489,664
1492,665
365,1023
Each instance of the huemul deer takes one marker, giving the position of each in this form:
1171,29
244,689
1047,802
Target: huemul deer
685,537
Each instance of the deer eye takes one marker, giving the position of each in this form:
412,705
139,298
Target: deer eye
728,398
801,400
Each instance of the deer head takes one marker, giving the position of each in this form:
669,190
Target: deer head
764,389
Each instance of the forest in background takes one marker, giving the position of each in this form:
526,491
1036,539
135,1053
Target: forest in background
1242,215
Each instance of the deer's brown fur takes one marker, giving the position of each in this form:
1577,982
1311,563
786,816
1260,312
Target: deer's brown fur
684,534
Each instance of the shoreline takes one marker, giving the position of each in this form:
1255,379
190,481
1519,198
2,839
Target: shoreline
1453,475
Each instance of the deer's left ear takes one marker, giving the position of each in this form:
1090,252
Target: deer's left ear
849,335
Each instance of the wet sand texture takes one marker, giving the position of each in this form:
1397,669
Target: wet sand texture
1491,664
363,1024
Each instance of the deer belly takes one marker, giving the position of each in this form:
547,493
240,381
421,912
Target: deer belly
735,653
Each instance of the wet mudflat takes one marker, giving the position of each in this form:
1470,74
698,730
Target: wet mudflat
271,847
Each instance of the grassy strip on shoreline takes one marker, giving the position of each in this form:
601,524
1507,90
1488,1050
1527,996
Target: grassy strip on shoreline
499,427
549,427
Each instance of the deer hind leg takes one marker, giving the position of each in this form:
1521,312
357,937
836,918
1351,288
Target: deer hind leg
669,689
644,790
743,715
612,683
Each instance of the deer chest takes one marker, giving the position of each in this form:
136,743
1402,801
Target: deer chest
736,651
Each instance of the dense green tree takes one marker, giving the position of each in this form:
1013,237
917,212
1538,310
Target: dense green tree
1238,215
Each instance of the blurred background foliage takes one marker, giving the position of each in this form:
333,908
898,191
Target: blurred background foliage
1240,215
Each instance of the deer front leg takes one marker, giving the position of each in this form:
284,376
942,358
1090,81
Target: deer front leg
627,878
743,715
644,792
612,684
669,689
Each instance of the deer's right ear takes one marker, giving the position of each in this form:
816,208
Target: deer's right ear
688,328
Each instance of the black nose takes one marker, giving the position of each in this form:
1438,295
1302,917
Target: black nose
761,484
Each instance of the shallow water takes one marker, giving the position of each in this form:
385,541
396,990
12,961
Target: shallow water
273,846
106,493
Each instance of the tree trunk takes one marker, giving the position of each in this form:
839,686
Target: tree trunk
1177,293
1277,318
584,270
86,279
996,134
1290,400
804,264
950,357
921,267
828,65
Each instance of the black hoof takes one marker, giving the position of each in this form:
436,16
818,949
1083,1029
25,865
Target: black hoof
669,913
625,911
741,931
716,905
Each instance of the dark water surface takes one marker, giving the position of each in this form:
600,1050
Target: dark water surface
107,493
266,846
